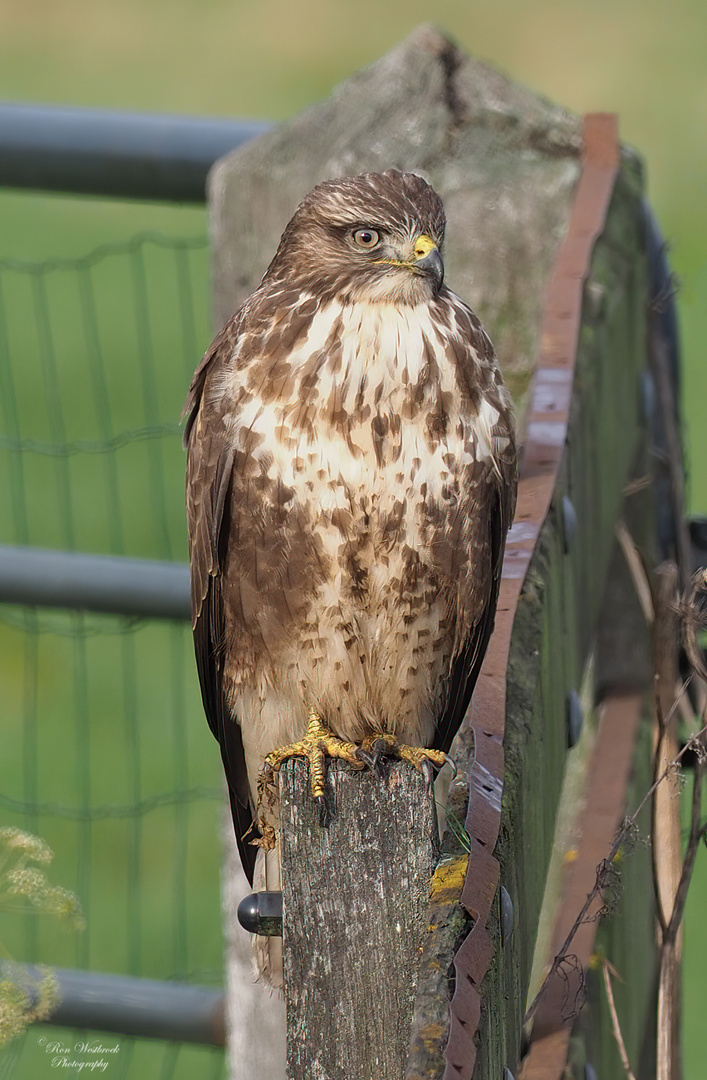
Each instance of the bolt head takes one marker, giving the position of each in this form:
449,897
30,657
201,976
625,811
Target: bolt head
569,522
574,718
507,915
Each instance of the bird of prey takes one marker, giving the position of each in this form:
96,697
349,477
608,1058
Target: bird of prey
351,479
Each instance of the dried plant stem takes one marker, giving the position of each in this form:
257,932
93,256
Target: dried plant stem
672,871
669,972
667,1054
666,855
637,570
606,970
670,767
603,869
668,1000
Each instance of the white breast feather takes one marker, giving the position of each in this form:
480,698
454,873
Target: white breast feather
379,343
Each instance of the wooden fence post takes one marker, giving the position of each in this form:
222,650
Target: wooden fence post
355,899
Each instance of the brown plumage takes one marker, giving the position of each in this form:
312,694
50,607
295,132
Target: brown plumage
351,478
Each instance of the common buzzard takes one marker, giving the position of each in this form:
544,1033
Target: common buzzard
351,479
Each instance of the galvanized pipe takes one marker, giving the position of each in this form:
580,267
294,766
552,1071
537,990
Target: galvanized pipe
147,1008
120,586
120,154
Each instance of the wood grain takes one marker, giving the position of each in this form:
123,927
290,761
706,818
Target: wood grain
355,900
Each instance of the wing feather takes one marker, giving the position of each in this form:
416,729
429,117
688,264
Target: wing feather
498,505
209,477
467,664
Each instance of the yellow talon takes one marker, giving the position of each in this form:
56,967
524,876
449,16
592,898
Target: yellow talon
415,755
318,743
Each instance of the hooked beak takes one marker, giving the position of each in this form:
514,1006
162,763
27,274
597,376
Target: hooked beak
428,260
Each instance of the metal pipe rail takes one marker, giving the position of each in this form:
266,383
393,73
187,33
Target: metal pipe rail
124,155
144,588
146,1008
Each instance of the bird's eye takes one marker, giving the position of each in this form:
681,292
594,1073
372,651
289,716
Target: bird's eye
366,238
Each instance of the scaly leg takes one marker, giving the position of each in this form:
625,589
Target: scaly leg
318,744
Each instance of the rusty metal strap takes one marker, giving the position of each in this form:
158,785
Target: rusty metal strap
548,417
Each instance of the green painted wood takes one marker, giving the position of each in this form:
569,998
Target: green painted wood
559,608
629,926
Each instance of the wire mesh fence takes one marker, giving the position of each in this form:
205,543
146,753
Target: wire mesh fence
104,751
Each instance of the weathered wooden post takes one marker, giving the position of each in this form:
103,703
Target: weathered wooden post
355,915
546,240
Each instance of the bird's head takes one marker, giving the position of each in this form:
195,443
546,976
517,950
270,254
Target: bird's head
375,237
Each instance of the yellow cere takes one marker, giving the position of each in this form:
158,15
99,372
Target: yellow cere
423,246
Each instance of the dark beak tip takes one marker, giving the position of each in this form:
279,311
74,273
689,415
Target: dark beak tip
433,267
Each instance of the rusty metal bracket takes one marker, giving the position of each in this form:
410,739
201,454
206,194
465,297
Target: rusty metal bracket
547,424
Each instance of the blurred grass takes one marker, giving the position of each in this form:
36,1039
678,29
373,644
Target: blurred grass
268,58
106,755
102,349
101,788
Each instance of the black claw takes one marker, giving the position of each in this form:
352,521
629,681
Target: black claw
375,757
379,766
368,759
428,771
322,811
382,754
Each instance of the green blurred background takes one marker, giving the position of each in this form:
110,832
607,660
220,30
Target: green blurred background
644,59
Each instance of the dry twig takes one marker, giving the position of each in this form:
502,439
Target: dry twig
692,612
607,971
605,869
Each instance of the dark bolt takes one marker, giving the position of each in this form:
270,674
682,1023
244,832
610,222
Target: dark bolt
647,397
261,913
574,718
569,521
507,916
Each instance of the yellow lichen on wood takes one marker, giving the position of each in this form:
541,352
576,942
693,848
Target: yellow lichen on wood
431,1035
448,880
